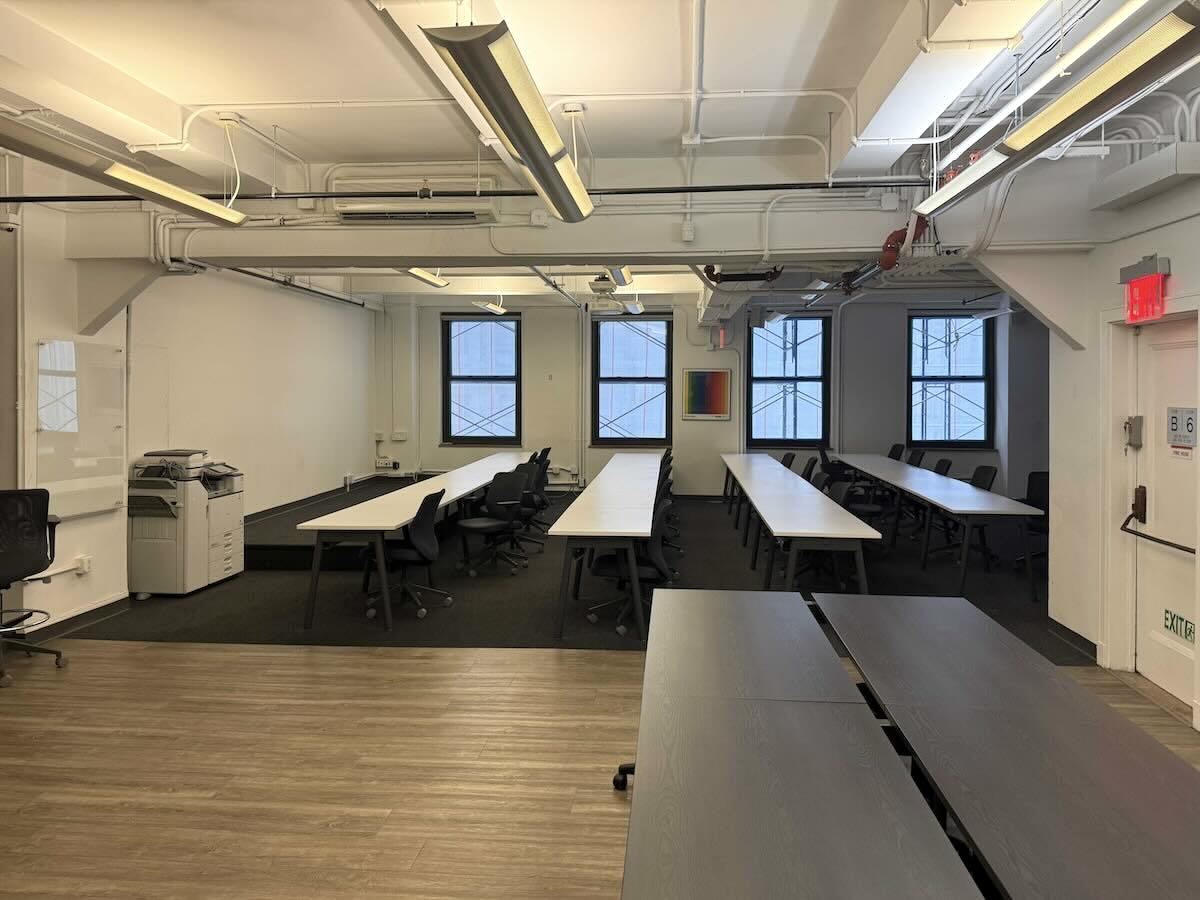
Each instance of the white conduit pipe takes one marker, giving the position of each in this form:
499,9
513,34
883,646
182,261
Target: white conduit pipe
734,139
1183,125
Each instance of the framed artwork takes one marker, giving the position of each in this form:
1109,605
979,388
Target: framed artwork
706,393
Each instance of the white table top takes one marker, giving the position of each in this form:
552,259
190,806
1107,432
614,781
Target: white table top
395,510
789,505
618,503
954,496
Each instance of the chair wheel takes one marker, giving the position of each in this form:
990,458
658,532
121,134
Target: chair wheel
60,662
371,612
472,573
422,612
593,618
512,570
449,601
622,630
6,680
524,564
620,782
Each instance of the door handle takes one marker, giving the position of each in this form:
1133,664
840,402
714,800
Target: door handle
1138,511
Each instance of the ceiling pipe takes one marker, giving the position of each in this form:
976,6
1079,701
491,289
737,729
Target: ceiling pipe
293,285
554,286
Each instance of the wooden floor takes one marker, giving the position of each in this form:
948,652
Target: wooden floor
229,771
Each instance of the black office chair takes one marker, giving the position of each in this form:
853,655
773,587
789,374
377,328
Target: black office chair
418,548
26,548
652,568
498,526
836,470
820,481
942,466
787,459
533,501
896,452
807,472
983,477
1037,494
915,457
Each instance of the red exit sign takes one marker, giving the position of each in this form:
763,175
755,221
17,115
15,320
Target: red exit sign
1145,298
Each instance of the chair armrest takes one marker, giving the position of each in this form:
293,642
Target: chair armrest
51,525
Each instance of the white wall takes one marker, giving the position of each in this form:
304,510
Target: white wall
273,381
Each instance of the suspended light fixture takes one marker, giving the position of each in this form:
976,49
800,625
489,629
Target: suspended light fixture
54,151
430,278
492,306
620,275
1167,48
487,63
634,307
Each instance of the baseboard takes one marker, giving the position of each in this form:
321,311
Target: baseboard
64,627
1076,640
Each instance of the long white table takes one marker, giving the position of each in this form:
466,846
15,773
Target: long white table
615,510
793,510
372,519
969,505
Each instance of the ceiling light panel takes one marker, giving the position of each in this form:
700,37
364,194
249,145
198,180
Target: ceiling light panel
488,64
428,277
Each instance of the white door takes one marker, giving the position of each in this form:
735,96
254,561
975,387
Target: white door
1166,577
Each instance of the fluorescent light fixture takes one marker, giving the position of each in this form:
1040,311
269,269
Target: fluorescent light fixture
487,63
775,315
491,306
428,277
620,275
634,307
1167,48
994,313
54,151
1057,69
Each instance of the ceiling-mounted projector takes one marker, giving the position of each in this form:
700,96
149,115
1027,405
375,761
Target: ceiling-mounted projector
603,286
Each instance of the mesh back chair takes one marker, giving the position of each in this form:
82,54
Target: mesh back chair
820,481
653,569
533,501
915,457
896,452
983,477
498,525
836,471
418,548
787,459
26,548
1037,494
807,472
942,466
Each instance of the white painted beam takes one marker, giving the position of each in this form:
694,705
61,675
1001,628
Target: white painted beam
1055,287
55,74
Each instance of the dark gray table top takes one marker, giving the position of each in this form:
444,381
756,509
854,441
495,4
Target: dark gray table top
1062,796
739,798
757,645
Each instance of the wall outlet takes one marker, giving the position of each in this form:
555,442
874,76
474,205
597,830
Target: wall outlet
687,231
399,435
83,565
383,462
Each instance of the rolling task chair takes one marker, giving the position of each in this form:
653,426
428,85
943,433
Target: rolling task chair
807,472
942,466
787,459
653,569
419,548
26,548
1037,493
498,526
896,452
915,457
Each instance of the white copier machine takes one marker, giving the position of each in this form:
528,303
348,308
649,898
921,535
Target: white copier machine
185,522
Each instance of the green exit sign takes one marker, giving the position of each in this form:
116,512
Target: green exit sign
1178,625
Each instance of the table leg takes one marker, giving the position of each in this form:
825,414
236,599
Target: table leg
895,520
381,567
1024,526
725,489
925,538
732,494
746,525
861,567
635,588
754,550
790,578
965,558
770,566
313,580
564,587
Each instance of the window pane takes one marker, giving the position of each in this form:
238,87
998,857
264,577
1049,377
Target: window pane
949,411
787,411
633,410
483,348
633,349
789,347
483,409
948,346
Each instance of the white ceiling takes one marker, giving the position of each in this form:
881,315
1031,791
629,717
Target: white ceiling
238,52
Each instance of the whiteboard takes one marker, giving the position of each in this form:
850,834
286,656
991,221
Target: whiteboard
81,425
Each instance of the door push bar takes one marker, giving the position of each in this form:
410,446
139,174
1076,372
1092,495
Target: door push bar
1138,511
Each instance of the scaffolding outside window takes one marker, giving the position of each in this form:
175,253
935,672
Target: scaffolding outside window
950,381
481,380
631,381
788,387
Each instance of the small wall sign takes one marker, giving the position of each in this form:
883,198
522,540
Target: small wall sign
1179,626
1181,426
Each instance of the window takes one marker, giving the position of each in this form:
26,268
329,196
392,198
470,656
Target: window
950,381
481,380
631,381
788,387
58,387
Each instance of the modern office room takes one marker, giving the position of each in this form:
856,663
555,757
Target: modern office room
652,449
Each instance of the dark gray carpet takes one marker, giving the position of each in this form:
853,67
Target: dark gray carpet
500,610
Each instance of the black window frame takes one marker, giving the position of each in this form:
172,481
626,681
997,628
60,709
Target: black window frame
597,380
987,442
448,379
825,379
